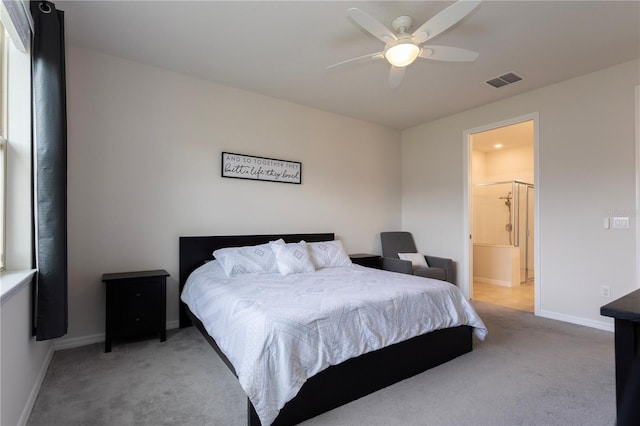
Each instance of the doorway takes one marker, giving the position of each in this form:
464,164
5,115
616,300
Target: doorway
501,211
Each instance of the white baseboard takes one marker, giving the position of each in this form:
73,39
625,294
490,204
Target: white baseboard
76,342
492,281
28,406
600,325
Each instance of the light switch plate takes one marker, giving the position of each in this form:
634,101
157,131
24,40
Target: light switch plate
620,223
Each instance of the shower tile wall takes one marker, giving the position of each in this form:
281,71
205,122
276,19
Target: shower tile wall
490,213
497,166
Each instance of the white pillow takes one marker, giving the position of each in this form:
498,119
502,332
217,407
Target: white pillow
213,268
257,259
416,259
292,258
329,254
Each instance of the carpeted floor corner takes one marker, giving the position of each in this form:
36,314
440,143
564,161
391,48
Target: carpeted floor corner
529,371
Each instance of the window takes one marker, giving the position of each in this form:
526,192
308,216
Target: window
15,126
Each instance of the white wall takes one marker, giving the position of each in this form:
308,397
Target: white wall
23,361
586,170
144,149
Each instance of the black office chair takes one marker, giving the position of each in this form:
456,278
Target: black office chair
396,242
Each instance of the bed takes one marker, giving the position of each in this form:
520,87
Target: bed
338,383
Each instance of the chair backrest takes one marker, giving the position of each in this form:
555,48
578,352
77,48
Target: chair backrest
397,242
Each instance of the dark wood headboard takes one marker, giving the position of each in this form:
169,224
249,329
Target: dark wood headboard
195,251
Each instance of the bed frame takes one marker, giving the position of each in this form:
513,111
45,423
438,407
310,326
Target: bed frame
341,383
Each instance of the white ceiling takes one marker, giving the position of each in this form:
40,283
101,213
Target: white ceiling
281,48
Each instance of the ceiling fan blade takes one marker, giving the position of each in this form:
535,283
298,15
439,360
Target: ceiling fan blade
444,20
448,53
372,25
395,76
369,57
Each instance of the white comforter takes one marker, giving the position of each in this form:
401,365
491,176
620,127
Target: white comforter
279,331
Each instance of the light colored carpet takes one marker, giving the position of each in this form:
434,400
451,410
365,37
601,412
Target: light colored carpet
529,371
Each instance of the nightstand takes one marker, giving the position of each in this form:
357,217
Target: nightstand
136,305
366,259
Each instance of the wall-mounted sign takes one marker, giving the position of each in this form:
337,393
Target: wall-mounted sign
241,166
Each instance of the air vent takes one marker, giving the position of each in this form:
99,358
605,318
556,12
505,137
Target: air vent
503,80
497,82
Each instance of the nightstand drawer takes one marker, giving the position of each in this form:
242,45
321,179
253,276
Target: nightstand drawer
136,304
137,292
133,323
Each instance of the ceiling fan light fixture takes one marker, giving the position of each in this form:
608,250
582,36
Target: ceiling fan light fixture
401,48
402,53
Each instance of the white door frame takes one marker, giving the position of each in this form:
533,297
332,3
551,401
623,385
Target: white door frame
466,268
637,212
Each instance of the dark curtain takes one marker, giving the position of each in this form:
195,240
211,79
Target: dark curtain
50,169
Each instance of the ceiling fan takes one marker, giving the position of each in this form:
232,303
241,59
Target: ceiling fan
402,48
